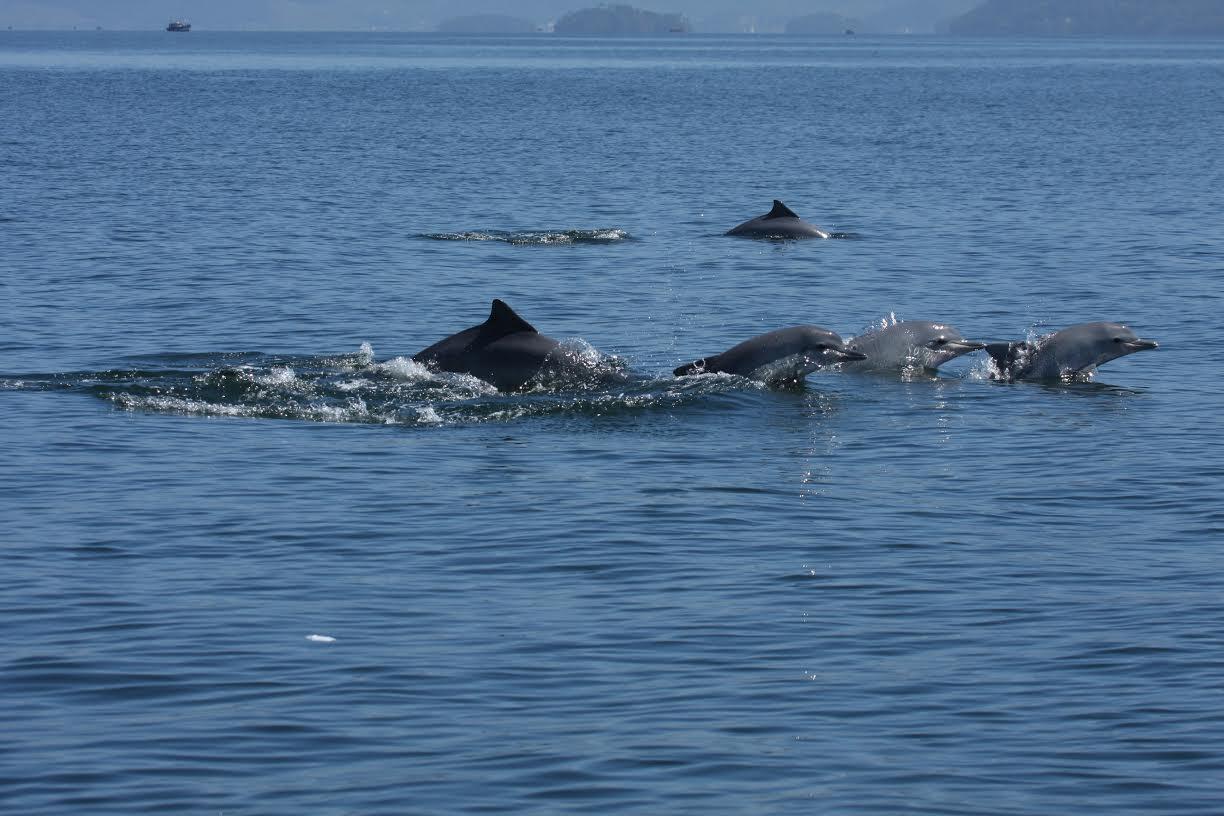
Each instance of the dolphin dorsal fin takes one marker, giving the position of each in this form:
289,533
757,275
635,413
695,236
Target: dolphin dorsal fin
780,210
502,321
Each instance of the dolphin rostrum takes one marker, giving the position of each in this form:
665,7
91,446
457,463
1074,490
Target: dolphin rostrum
780,222
909,344
1073,351
505,351
777,357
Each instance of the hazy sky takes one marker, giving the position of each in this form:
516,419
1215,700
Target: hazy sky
424,15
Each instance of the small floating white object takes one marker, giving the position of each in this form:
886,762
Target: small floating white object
321,638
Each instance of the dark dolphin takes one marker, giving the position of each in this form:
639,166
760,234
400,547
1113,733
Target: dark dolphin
777,357
505,351
780,222
1073,351
909,344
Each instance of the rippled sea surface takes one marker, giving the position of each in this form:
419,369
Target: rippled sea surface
256,561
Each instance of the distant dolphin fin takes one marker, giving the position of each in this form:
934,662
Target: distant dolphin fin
1007,356
780,210
502,321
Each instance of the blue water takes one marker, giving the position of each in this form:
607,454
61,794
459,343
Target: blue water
872,595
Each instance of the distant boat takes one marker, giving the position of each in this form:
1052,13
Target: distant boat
178,25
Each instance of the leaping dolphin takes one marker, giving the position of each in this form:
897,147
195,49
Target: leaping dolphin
780,222
909,344
1065,354
505,351
777,357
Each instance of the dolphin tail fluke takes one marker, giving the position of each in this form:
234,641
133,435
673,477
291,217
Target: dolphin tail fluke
780,210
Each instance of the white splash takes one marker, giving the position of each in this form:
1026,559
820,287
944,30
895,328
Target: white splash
403,368
277,376
885,322
180,405
426,415
321,638
577,350
984,370
473,385
355,410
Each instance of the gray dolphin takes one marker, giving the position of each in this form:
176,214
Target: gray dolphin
909,344
1065,354
505,351
776,357
780,222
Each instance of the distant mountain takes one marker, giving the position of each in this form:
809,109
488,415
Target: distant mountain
762,16
825,23
487,24
916,16
865,16
620,20
1093,17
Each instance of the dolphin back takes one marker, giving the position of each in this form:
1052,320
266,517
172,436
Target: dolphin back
780,222
505,350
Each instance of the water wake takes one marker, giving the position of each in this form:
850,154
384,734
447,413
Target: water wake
536,237
354,388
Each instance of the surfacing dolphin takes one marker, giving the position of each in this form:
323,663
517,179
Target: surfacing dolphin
505,351
1072,352
780,222
909,344
778,357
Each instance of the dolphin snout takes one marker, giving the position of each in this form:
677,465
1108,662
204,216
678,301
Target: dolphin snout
1141,345
966,346
850,354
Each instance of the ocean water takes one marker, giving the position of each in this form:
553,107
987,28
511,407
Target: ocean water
258,562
